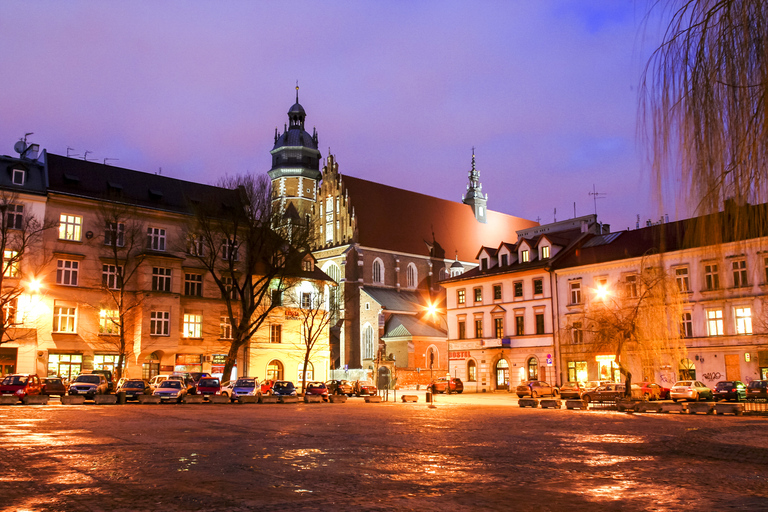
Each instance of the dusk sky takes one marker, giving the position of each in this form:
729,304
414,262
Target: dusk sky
400,91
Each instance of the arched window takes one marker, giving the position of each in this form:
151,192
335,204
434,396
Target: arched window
533,369
368,348
333,271
412,276
687,370
378,271
275,370
432,358
151,366
502,374
471,371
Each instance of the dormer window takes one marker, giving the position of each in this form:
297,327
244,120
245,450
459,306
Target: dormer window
545,252
503,260
524,258
484,264
19,176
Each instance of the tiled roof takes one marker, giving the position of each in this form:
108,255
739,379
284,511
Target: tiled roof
394,300
399,326
404,221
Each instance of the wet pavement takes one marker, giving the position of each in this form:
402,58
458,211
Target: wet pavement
467,453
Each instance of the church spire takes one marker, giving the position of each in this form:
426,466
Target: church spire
474,196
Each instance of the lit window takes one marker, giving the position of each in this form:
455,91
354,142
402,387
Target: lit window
193,285
14,216
498,327
740,273
161,279
306,301
524,256
275,333
229,250
575,289
545,252
378,271
743,320
114,233
70,227
715,322
112,276
11,264
478,294
160,323
225,326
411,276
681,276
461,296
156,239
64,316
711,277
471,371
193,325
687,325
66,272
109,321
478,327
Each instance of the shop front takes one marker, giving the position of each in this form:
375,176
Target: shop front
188,363
67,365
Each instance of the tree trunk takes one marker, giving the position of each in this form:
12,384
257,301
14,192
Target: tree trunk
230,360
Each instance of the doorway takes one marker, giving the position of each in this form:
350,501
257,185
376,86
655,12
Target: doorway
502,374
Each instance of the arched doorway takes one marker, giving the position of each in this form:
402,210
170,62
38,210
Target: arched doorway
275,370
151,366
471,371
502,374
687,370
532,369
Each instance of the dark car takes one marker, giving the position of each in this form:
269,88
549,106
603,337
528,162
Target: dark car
730,390
21,385
208,386
653,391
444,384
572,390
283,388
134,387
757,390
340,387
536,388
54,386
611,393
365,387
317,388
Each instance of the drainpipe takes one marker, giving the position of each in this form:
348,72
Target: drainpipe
556,334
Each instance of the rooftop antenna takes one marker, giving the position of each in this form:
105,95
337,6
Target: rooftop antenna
85,155
110,159
297,91
555,215
596,195
70,155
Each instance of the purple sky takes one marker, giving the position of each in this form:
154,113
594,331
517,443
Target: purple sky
400,91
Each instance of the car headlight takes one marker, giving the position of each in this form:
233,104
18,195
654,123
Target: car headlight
19,391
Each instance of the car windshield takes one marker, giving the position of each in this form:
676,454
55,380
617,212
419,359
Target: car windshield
133,384
53,381
725,384
88,379
282,385
684,383
245,383
14,380
174,384
209,382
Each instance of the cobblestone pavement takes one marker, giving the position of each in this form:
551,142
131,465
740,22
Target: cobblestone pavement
468,453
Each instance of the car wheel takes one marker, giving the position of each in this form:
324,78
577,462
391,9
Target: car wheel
460,391
695,398
534,394
520,396
674,400
555,393
586,398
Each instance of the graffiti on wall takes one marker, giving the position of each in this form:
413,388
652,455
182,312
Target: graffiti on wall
712,376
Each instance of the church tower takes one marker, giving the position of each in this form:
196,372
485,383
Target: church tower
295,167
474,196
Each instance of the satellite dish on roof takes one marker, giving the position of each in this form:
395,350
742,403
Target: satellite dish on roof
20,147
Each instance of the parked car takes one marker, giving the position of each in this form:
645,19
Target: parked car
54,386
133,388
536,388
21,385
196,376
365,387
266,386
340,387
155,381
226,387
730,390
108,376
283,388
208,386
594,384
89,385
757,390
189,384
572,390
317,388
442,385
171,389
245,386
653,391
689,390
612,392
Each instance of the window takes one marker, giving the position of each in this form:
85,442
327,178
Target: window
471,371
533,369
64,316
686,327
9,312
462,330
538,286
225,328
483,263
518,285
112,276
711,277
378,271
193,325
159,323
109,321
11,264
519,325
193,284
14,216
275,333
503,264
309,374
156,239
577,333
575,289
740,273
539,323
524,256
681,275
306,301
498,327
18,176
69,227
461,296
196,245
161,279
275,370
277,298
545,252
715,322
307,265
411,276
229,288
765,262
66,272
114,233
478,294
368,338
229,250
478,327
630,286
743,316
497,292
577,371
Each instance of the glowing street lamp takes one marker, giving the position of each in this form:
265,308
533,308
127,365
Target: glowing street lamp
34,285
602,292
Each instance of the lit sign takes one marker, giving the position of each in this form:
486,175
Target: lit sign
746,356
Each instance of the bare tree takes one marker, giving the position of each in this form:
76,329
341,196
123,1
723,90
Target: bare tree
703,102
23,260
249,252
642,322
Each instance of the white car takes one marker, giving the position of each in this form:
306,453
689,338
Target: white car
155,381
690,390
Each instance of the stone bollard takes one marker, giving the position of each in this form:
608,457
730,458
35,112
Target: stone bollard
247,399
122,398
726,408
649,407
338,399
528,402
409,398
373,399
268,399
313,399
626,406
218,399
576,404
697,407
104,399
35,400
149,399
673,407
193,399
551,403
428,397
289,399
9,399
72,400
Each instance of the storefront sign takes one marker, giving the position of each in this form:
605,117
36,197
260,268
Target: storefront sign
292,314
458,355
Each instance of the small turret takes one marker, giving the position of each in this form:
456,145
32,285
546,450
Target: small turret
474,196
